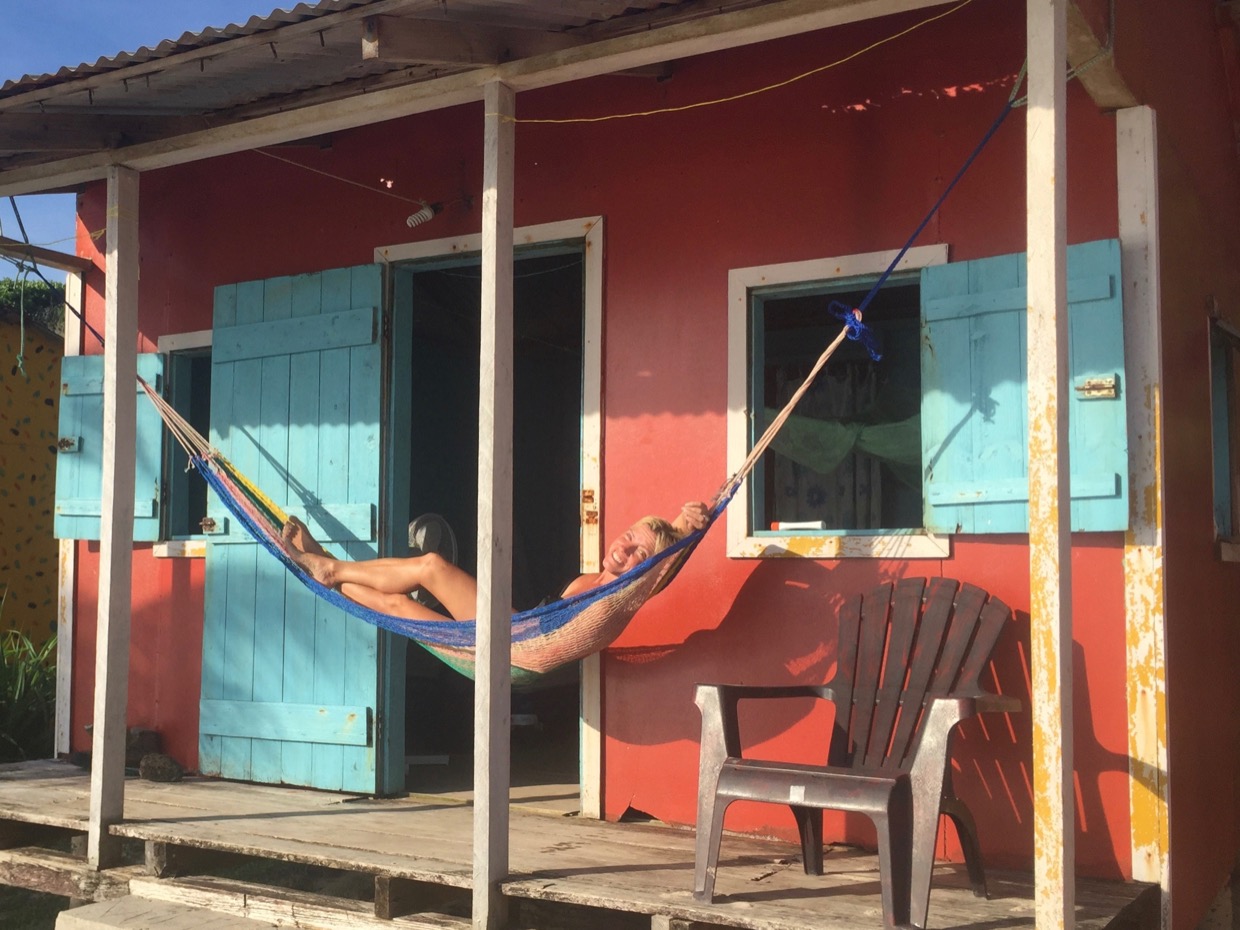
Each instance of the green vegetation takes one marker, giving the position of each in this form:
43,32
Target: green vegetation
27,697
43,305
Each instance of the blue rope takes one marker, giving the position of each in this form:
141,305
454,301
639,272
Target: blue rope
929,216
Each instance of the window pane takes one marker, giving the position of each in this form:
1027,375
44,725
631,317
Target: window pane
850,456
189,391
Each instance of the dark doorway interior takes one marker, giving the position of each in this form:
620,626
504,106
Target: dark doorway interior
547,379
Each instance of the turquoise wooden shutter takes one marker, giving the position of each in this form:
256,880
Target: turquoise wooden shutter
290,684
974,406
79,458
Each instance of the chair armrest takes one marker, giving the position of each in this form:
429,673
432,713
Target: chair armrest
964,706
718,704
998,704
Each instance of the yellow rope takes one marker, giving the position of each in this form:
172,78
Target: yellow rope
749,93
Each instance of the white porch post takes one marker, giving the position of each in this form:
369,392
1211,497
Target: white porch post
1145,589
107,772
67,563
493,659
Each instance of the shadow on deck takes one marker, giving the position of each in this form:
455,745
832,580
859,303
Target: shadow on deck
271,852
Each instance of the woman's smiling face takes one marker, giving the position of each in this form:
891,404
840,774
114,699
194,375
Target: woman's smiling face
635,546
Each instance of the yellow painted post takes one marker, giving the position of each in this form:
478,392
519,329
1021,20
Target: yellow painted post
1145,606
1049,540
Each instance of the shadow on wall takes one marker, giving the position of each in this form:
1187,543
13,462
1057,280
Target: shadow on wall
787,634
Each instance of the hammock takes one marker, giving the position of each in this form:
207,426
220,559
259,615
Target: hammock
543,638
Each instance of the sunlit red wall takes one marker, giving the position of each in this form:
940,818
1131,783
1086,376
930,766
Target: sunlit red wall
847,160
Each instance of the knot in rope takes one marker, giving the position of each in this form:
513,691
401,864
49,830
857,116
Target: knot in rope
857,331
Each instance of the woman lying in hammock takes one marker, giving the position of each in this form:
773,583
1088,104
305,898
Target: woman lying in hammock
385,584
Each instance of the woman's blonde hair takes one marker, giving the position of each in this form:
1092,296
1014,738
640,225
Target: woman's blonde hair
664,533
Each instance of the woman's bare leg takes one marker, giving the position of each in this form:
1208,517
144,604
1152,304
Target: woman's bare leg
453,587
397,605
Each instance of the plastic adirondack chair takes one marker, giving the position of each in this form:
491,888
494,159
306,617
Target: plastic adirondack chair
908,663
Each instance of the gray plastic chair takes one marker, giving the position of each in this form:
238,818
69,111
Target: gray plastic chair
909,660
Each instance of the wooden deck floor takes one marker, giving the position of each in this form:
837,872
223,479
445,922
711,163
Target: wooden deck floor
629,872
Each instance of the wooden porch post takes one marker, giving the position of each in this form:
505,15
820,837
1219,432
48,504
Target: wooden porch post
67,562
1144,546
1050,544
107,772
494,653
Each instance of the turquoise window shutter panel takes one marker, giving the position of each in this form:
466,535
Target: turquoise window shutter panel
974,401
79,459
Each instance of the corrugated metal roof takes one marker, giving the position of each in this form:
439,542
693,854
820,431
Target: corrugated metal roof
187,41
309,54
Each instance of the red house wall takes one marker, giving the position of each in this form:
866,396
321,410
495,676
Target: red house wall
845,161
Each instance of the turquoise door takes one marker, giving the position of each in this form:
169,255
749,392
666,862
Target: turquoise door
291,687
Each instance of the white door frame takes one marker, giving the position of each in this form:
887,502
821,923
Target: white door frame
590,231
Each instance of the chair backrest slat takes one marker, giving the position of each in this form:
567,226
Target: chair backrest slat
840,751
902,624
939,599
873,640
969,603
994,618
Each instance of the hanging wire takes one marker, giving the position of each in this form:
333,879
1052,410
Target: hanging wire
748,93
34,267
23,273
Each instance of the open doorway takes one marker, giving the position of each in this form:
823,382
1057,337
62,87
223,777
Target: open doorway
548,340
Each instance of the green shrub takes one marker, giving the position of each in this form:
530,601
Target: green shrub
27,697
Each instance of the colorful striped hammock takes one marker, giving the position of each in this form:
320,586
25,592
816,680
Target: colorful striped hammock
543,638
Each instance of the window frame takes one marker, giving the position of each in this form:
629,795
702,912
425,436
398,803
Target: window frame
742,542
195,546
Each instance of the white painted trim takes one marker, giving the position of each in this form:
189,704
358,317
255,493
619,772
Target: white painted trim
590,230
107,773
584,228
493,653
741,543
1145,583
180,342
180,549
67,562
1050,562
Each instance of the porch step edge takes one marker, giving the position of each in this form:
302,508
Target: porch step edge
282,907
135,913
51,871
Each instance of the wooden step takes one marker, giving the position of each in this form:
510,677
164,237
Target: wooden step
134,913
53,872
282,907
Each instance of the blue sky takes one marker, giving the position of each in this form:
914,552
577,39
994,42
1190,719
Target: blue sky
44,36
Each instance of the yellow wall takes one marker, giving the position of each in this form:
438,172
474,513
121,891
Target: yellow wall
28,409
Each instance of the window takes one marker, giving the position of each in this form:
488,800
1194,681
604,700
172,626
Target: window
189,392
170,503
1225,434
890,457
849,457
843,476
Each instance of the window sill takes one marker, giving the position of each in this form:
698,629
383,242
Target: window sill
911,545
1229,550
180,549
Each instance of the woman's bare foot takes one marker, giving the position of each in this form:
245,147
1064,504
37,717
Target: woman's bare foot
321,568
298,534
